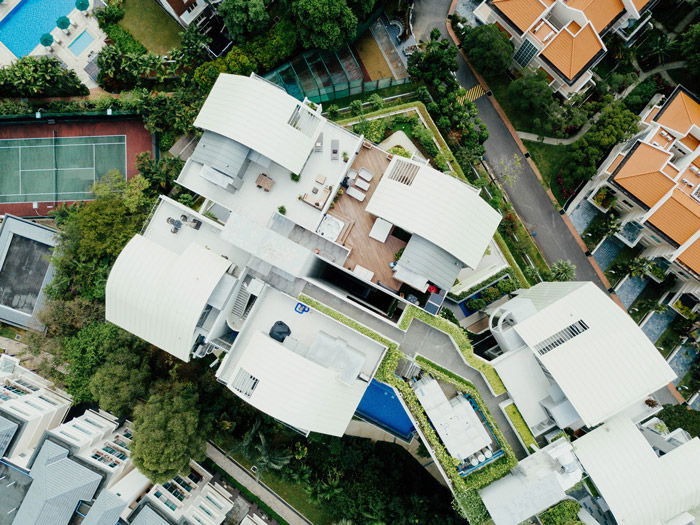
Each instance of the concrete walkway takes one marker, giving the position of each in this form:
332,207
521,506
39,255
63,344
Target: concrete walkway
555,141
646,74
265,493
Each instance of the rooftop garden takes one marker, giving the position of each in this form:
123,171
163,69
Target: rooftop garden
520,426
563,513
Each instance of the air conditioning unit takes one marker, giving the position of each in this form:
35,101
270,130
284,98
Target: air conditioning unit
695,169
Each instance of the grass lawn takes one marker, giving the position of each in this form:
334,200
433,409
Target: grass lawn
292,493
550,160
499,85
151,25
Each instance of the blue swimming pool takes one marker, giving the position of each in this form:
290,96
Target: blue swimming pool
81,43
381,407
21,29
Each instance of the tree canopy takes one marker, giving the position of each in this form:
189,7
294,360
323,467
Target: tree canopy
531,92
243,17
488,48
326,24
167,432
690,48
679,416
121,381
39,77
89,242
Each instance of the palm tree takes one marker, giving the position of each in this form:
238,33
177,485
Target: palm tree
267,459
563,270
325,490
639,266
246,445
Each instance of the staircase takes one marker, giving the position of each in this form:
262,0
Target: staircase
239,306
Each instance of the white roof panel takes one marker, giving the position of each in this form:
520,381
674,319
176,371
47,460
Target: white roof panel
640,487
436,206
159,295
257,114
607,367
296,390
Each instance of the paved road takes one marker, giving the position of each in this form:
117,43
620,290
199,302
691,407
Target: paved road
526,193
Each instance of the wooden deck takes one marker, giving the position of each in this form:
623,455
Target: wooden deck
367,252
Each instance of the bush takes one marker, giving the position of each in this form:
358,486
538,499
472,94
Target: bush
356,107
563,513
373,130
488,48
110,14
399,150
40,77
425,138
124,40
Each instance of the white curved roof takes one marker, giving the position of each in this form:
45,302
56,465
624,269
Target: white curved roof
437,207
256,113
159,295
639,487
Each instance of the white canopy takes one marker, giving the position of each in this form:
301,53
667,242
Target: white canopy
436,206
262,117
159,295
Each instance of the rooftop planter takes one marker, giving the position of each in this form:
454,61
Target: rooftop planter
603,199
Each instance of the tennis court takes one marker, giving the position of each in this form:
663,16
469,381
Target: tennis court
57,169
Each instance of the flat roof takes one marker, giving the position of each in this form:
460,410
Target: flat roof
605,368
640,487
25,269
320,172
294,384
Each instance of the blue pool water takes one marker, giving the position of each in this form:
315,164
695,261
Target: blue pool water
81,43
657,323
21,29
607,251
380,406
583,214
630,289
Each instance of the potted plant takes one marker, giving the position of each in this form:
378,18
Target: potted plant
346,157
282,210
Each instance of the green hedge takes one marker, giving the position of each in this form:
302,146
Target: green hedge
460,339
516,418
248,495
563,513
483,284
124,40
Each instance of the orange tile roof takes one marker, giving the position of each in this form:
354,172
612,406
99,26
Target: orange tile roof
569,53
599,12
670,170
691,141
679,113
639,4
522,13
678,217
654,111
691,256
640,174
613,166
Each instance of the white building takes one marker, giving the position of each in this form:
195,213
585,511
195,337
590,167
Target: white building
98,439
294,203
460,428
29,405
535,484
572,357
640,484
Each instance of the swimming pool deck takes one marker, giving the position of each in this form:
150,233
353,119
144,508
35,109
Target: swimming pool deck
80,23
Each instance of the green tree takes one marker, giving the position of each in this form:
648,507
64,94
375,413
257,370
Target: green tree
271,48
488,48
266,458
326,24
121,381
681,416
639,266
690,48
325,489
39,77
160,174
193,48
167,432
91,235
531,92
86,351
362,8
243,17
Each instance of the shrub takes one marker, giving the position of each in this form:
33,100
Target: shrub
425,138
356,107
399,150
39,77
110,14
282,210
376,101
476,304
333,111
124,40
563,513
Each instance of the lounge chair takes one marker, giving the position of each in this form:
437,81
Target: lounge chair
364,173
319,143
355,193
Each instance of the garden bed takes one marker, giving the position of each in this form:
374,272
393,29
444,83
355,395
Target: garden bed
519,425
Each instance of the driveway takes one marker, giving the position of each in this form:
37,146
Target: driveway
526,193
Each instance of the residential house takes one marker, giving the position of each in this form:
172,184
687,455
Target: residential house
203,15
570,357
653,182
293,204
29,406
564,38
